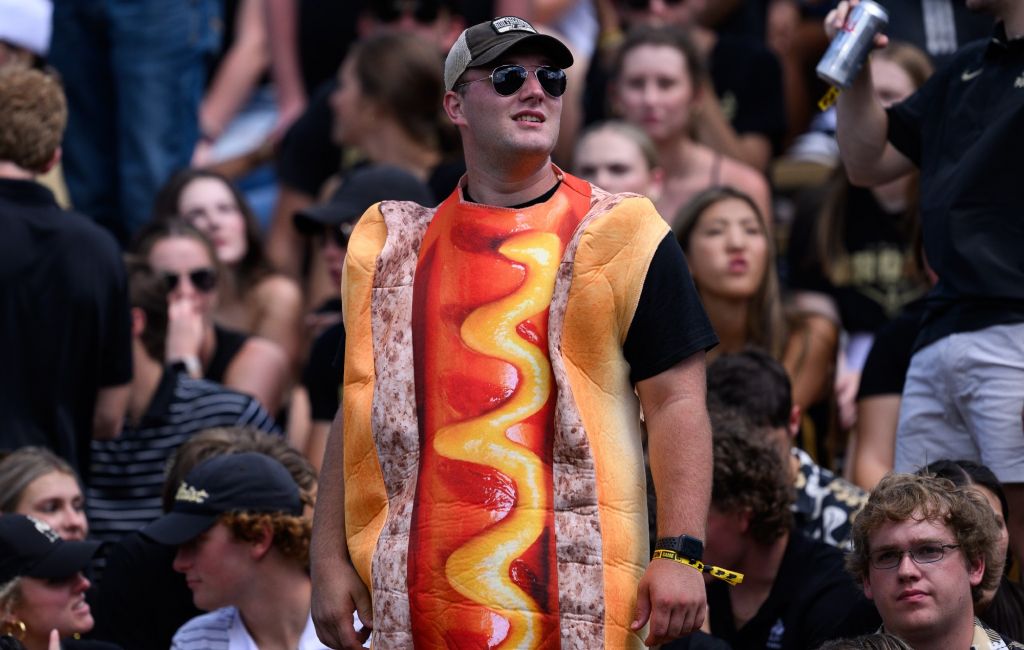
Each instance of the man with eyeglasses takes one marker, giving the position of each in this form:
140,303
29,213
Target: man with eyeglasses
924,550
491,472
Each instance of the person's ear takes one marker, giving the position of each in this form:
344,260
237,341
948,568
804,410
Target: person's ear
454,107
743,517
138,321
866,584
54,159
976,570
262,545
794,421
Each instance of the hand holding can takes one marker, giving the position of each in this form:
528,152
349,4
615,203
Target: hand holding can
855,29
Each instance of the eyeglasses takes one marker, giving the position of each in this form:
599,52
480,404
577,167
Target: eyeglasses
927,553
508,79
204,279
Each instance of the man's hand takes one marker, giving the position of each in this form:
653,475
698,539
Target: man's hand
836,18
184,328
672,596
337,593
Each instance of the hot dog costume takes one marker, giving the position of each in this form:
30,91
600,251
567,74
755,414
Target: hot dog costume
494,474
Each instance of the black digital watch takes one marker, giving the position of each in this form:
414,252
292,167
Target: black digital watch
683,546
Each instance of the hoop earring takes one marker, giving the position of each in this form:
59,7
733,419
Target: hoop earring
15,629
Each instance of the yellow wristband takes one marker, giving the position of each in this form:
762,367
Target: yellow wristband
732,577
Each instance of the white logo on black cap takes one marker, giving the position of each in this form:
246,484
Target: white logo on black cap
44,529
188,493
511,24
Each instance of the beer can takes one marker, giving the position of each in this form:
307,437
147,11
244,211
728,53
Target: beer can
852,44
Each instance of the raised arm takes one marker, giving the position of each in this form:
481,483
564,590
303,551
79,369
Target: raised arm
862,124
671,595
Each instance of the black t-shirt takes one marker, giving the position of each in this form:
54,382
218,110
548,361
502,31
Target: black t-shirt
307,157
141,600
885,370
64,321
323,374
812,601
748,81
908,23
965,130
880,247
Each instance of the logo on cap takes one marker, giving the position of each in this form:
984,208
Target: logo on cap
188,493
44,529
511,24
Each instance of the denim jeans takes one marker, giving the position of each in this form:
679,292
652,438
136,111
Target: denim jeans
134,72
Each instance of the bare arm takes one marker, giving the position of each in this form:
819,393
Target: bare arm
284,243
111,405
862,124
281,318
873,453
679,435
809,358
239,72
282,22
259,369
337,588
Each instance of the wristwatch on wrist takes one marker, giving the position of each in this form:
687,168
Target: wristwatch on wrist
189,365
684,546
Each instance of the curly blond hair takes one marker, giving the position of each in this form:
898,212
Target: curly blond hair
901,497
291,533
33,114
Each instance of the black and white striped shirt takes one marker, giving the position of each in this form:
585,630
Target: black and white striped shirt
127,474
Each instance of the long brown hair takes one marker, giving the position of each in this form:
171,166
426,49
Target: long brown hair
765,327
830,242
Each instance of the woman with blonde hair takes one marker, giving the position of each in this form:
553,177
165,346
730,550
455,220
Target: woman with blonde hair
35,481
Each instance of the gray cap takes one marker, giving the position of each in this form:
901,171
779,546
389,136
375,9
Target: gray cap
485,42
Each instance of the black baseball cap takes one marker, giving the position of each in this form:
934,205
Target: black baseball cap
29,547
487,41
361,188
243,482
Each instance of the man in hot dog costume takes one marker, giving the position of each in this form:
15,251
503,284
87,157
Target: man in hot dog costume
488,488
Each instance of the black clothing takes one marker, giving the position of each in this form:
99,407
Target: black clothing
326,29
965,130
306,157
142,600
64,320
907,24
72,644
880,247
228,343
812,600
324,371
670,323
885,370
748,81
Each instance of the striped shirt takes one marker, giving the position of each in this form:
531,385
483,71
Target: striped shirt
127,474
222,629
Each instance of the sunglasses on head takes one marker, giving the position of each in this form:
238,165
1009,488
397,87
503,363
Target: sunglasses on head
203,280
508,79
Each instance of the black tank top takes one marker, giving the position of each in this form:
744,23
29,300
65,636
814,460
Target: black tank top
227,343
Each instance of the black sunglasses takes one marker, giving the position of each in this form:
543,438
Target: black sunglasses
508,79
336,234
203,280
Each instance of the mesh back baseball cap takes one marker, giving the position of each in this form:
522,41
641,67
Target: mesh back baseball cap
244,482
487,41
29,547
